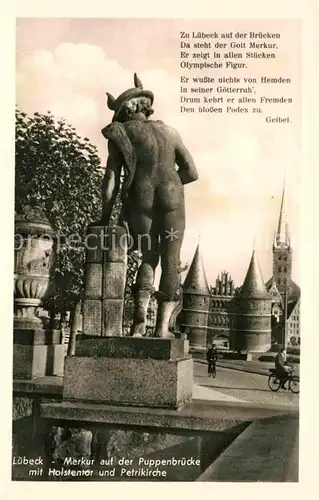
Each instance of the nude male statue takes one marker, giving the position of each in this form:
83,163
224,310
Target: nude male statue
153,206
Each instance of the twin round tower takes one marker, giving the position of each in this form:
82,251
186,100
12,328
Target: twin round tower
251,306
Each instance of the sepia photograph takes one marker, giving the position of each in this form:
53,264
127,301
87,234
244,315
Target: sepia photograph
157,250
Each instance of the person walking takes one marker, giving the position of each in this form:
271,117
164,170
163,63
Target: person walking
211,357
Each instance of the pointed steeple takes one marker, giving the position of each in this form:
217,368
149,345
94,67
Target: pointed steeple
254,285
196,281
281,239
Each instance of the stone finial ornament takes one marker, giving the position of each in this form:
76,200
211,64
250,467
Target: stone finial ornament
34,259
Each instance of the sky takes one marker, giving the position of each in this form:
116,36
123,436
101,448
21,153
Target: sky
67,65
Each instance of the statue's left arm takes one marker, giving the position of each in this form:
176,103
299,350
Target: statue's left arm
187,170
111,181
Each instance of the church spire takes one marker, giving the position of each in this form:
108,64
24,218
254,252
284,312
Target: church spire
282,239
196,281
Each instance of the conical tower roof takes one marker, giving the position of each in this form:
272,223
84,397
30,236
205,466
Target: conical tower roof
282,235
254,285
196,281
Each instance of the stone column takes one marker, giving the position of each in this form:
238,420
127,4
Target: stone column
105,275
113,281
92,304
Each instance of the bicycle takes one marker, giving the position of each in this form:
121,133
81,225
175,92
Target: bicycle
274,383
212,370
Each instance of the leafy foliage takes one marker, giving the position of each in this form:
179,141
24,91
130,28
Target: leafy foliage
59,172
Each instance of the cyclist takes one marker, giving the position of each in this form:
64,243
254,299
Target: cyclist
211,357
282,369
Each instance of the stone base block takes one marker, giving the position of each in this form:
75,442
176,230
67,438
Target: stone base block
36,336
127,381
26,323
131,347
32,361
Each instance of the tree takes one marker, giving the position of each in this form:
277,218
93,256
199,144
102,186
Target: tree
59,172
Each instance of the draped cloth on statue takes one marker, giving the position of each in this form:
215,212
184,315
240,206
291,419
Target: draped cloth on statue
116,133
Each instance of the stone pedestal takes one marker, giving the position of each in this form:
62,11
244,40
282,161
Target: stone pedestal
129,371
107,367
37,353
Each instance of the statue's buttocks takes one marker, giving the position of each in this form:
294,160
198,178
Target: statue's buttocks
156,185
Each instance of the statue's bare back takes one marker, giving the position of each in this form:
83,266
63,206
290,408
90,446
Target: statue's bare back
156,185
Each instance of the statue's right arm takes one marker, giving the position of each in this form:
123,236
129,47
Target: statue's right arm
111,180
187,170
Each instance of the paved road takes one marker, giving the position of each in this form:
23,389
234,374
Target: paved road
242,385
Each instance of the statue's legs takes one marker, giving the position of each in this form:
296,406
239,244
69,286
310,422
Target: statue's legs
147,239
171,236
